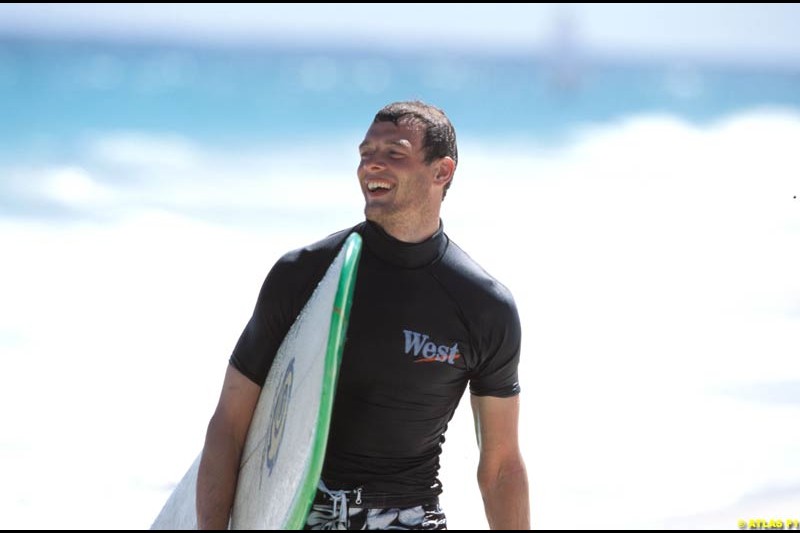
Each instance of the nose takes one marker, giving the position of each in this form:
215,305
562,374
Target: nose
373,163
377,165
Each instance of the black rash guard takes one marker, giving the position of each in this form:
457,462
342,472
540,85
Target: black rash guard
425,321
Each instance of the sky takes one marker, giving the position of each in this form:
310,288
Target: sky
744,32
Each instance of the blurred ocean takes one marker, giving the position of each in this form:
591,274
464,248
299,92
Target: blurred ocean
644,214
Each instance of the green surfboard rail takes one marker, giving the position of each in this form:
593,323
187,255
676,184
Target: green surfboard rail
333,358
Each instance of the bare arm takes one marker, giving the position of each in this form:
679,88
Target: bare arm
219,465
502,477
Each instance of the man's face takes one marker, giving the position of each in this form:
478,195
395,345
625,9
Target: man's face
396,182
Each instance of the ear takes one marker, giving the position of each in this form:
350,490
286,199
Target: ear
445,169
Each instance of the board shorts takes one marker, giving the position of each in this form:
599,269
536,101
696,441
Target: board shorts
349,509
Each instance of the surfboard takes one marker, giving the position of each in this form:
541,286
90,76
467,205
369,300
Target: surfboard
285,446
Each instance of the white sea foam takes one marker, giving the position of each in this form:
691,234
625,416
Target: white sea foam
654,264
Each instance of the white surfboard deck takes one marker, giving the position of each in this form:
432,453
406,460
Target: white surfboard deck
285,446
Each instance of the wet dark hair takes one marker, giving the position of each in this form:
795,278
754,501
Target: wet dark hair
439,139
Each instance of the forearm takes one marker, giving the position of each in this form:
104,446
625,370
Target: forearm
505,497
216,480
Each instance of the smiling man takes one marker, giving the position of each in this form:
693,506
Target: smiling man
426,322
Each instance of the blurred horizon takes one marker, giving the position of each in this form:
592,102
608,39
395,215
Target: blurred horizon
744,34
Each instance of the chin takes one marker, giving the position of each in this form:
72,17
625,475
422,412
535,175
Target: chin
372,214
376,214
373,209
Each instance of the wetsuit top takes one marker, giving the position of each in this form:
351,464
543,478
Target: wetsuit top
425,321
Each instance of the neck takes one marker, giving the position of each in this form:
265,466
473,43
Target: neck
409,231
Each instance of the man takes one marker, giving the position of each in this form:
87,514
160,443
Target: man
426,321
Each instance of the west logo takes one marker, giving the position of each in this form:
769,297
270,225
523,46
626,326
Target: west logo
427,351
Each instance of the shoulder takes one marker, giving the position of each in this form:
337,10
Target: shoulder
469,281
321,250
307,264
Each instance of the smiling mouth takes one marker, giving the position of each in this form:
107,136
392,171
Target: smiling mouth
373,186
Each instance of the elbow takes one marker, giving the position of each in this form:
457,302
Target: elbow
491,476
504,488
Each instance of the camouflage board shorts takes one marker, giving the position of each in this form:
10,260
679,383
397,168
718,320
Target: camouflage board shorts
343,509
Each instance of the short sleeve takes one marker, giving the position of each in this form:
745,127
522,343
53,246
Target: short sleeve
498,344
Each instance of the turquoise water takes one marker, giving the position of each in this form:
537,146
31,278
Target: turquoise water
51,92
